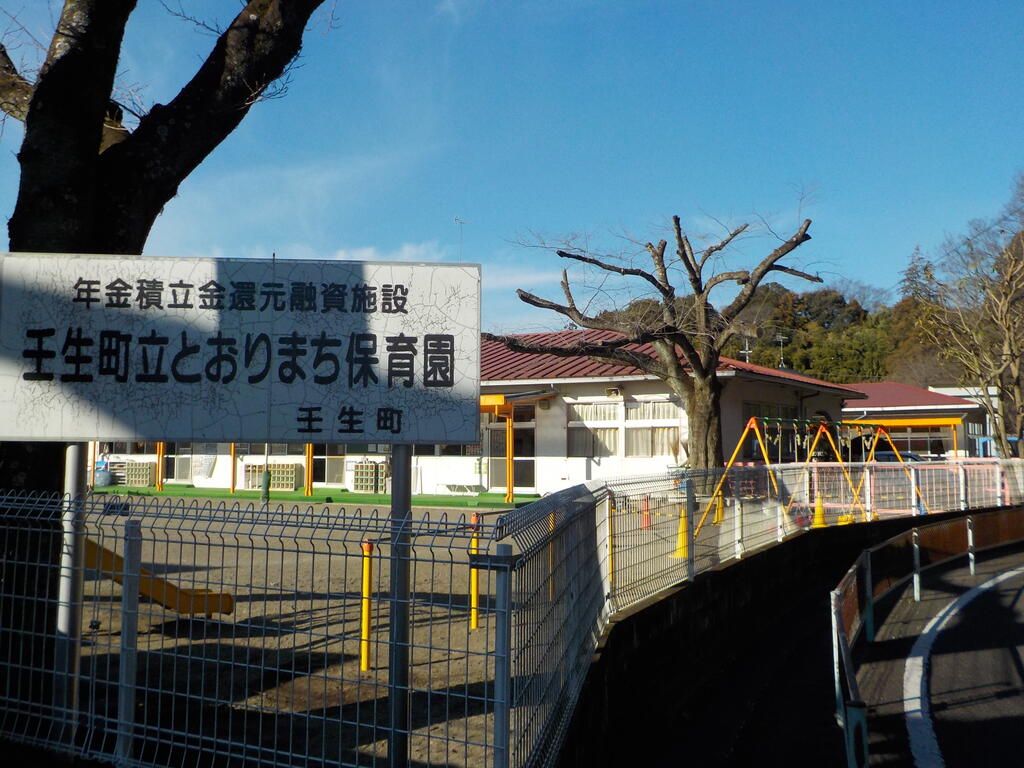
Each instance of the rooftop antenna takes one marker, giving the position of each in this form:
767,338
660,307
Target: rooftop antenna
782,340
746,349
460,222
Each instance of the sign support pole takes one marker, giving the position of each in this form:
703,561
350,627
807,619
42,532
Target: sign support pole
398,641
69,601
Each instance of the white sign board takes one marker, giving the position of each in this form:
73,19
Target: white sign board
221,350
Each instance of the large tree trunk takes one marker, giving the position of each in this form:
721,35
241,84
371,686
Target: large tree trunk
704,413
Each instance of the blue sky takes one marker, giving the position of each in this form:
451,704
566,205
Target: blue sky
891,125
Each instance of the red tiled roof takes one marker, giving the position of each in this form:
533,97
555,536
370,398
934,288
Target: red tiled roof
891,394
498,363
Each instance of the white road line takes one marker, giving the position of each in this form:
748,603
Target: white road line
924,746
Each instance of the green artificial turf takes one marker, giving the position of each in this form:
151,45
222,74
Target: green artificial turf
320,496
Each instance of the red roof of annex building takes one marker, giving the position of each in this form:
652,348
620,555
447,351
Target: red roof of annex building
498,363
892,395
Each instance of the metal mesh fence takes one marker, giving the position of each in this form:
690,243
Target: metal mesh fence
239,634
268,636
559,590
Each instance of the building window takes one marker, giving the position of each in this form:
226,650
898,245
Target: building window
652,441
596,442
649,410
472,449
769,410
593,411
369,448
523,413
328,449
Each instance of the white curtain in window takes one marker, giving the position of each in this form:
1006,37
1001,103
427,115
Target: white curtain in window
579,442
657,409
593,411
606,441
665,441
638,442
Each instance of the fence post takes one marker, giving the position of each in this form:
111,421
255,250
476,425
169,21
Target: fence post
961,479
398,634
869,599
503,658
691,514
609,511
738,527
915,539
868,505
915,502
1000,498
780,521
840,709
68,644
970,543
128,662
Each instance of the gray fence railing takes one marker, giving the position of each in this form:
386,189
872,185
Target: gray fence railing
179,634
885,567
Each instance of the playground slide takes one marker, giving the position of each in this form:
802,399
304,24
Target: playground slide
181,599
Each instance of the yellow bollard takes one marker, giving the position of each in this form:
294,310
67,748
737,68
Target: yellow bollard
719,517
474,575
683,536
819,513
364,623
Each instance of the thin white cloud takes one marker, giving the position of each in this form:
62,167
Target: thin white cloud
502,277
407,252
456,10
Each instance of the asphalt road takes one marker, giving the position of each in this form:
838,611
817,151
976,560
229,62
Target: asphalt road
944,680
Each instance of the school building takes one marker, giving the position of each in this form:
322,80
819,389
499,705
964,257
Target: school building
550,421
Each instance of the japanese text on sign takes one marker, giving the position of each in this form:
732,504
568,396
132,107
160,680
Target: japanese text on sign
206,349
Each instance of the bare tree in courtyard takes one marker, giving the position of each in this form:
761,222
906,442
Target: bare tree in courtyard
972,300
685,332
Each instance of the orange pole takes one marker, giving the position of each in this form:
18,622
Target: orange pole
160,447
308,485
510,495
751,424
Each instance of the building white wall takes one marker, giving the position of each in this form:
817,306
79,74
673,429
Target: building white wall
553,468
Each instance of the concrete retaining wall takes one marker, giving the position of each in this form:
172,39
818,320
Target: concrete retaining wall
734,669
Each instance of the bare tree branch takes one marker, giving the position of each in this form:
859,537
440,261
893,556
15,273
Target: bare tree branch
796,273
15,91
616,269
758,273
708,253
685,252
741,276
